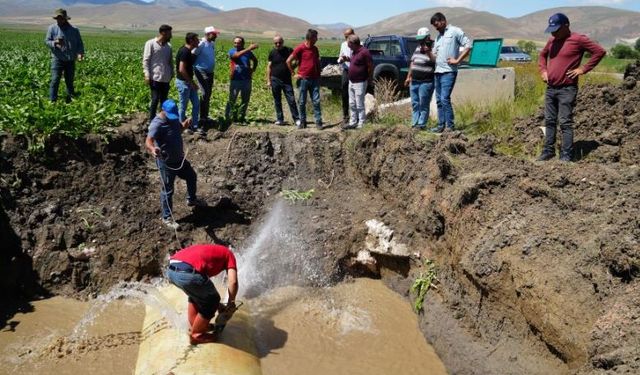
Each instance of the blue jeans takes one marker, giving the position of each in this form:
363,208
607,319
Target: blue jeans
58,68
312,86
243,88
168,175
277,88
188,93
199,289
444,83
421,93
558,109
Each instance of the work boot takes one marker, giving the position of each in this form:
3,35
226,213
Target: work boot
565,157
546,155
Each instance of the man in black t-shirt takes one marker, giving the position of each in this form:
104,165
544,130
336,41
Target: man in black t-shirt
279,79
187,87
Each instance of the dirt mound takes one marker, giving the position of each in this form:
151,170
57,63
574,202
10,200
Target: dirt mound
607,124
537,262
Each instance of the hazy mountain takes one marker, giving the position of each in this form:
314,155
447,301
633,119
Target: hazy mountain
606,25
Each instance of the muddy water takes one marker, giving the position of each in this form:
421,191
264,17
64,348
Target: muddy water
359,327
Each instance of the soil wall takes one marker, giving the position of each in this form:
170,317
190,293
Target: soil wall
538,263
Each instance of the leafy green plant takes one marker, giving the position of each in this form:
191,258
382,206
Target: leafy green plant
423,283
295,195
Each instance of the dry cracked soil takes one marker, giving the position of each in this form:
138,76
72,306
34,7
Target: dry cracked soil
538,263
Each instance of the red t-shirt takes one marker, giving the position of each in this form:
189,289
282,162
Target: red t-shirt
308,61
560,56
207,259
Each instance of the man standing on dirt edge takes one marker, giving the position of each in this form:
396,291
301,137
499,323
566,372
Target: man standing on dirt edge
164,142
344,61
279,80
157,68
186,85
559,64
190,269
308,58
204,67
66,46
448,57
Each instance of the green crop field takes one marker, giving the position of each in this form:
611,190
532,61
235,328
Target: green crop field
109,84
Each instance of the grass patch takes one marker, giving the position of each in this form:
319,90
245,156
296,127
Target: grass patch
296,195
422,284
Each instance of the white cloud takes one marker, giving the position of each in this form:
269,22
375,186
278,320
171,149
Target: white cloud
457,3
598,2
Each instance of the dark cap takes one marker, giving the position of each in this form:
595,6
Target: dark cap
556,21
170,109
61,13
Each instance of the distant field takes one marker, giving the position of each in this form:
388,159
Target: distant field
109,83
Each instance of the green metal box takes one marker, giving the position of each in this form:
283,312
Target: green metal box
485,53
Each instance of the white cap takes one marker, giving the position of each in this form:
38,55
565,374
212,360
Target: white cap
211,29
423,33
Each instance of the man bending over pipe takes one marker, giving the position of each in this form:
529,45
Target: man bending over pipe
190,269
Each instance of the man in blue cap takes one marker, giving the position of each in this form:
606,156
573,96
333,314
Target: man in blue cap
559,65
164,142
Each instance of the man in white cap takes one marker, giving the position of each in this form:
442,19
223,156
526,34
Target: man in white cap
66,46
204,68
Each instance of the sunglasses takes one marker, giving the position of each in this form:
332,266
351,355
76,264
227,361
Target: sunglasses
277,42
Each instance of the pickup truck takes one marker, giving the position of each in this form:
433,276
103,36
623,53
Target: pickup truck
391,57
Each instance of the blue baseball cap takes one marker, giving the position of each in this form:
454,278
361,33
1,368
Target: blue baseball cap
556,21
170,109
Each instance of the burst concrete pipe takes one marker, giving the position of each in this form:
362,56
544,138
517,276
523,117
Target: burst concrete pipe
166,350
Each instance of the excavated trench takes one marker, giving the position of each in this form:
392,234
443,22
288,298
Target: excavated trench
537,264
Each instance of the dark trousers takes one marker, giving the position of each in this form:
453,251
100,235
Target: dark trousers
159,93
559,102
205,83
277,88
168,176
58,69
345,94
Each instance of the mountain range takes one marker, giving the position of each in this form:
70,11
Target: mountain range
606,25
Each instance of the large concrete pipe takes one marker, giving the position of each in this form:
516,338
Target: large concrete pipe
166,350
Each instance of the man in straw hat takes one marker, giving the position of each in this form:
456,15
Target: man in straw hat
66,46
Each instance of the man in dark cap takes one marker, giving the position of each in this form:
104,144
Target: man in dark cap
559,65
66,46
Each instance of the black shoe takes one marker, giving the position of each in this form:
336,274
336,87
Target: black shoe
437,129
546,156
565,157
319,125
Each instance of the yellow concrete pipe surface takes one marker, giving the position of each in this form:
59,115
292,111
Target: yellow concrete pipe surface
165,350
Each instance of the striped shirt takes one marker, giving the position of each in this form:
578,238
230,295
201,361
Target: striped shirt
422,68
156,61
448,45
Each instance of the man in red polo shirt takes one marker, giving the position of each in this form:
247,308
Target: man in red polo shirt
308,58
559,65
190,269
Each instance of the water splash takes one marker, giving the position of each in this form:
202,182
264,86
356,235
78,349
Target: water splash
135,292
277,255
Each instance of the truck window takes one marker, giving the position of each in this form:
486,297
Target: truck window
380,45
412,45
394,48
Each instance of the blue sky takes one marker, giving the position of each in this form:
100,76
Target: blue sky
364,12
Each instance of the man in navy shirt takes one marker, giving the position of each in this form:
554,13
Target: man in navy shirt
164,142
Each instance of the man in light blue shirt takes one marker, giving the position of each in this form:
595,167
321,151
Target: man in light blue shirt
204,65
448,57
